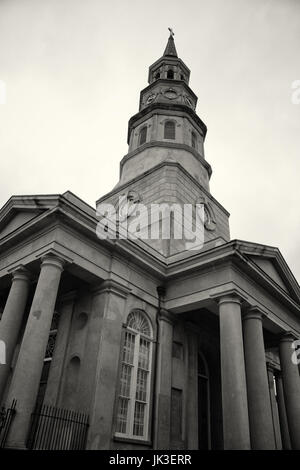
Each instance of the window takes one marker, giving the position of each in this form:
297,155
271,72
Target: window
194,140
157,76
143,135
182,77
170,74
169,132
134,392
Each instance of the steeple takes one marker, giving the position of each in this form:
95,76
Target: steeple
170,49
165,162
167,125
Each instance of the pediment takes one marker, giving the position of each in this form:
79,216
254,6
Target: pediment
270,262
270,269
16,221
19,210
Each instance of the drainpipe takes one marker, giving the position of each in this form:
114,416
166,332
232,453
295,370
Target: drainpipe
161,290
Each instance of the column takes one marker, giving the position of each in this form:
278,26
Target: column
276,425
291,387
259,405
164,382
284,427
110,303
26,378
234,392
11,320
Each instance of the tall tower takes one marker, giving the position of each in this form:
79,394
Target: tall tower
165,162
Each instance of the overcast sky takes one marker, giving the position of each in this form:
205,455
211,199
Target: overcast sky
74,69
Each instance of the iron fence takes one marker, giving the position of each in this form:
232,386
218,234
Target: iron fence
55,428
6,417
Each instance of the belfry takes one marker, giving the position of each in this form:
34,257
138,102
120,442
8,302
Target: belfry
143,343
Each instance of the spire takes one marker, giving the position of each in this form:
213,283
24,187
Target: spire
171,49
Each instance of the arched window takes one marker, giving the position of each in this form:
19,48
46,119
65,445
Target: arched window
182,77
194,140
143,135
169,131
170,74
157,76
134,392
203,404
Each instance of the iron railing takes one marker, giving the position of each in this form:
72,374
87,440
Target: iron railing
57,429
6,417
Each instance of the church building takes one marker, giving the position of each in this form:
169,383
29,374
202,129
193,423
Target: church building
115,343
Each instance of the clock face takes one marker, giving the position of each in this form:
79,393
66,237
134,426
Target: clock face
170,93
150,98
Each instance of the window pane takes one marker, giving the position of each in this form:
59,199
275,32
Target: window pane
138,423
144,354
141,385
128,350
122,415
125,380
50,345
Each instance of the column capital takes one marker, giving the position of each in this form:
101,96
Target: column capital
53,260
229,298
287,337
20,273
166,316
253,313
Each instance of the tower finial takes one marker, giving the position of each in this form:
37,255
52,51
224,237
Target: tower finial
171,49
172,34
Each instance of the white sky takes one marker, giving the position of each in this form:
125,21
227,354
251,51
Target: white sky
74,69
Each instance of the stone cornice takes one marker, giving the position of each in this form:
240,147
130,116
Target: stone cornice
166,107
171,145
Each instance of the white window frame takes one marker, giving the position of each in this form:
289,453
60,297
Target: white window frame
133,385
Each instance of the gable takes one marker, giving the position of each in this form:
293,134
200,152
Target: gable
19,219
268,267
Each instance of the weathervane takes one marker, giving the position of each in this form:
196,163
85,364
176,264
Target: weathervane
171,32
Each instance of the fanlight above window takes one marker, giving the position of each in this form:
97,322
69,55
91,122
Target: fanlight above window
138,322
